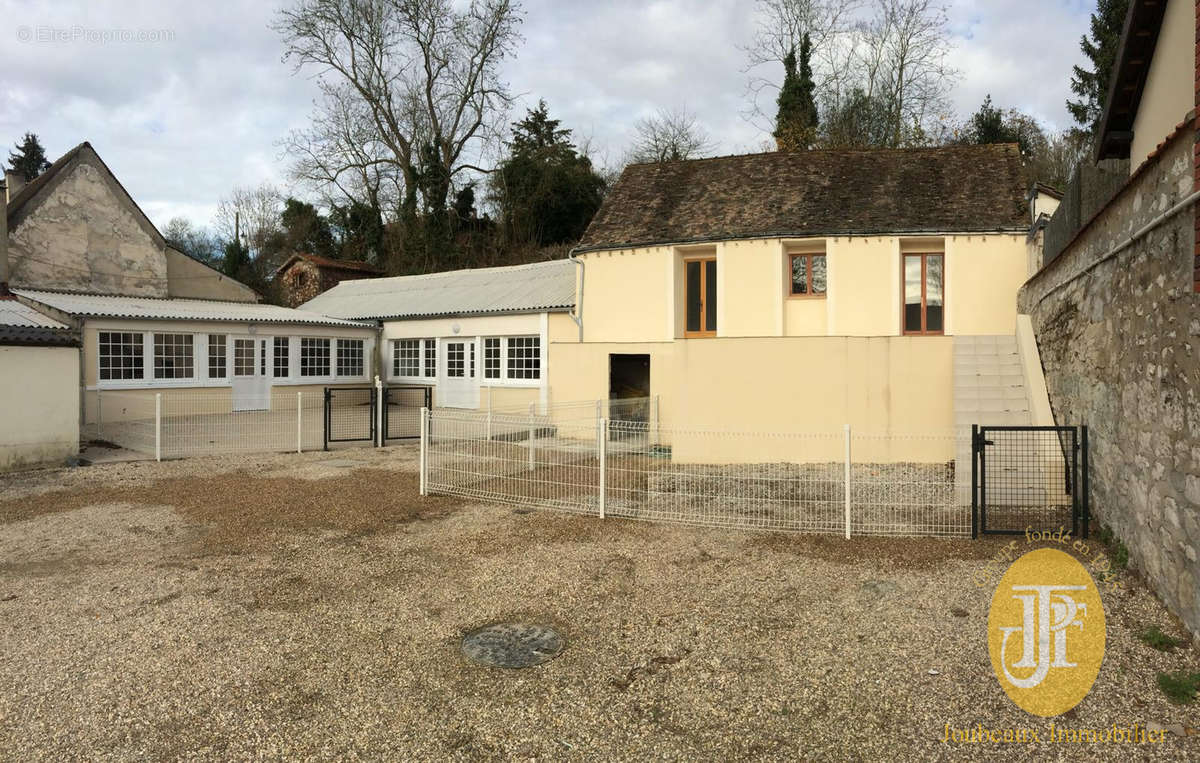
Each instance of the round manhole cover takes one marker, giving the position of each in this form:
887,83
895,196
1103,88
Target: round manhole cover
512,645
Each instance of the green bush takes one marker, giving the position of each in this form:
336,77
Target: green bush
1180,686
1154,638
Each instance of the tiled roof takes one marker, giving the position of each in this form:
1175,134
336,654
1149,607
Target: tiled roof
150,308
813,193
325,262
22,325
543,286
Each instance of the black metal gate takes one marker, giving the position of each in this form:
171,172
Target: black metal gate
1029,478
349,414
402,411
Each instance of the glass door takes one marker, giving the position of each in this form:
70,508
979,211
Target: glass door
924,294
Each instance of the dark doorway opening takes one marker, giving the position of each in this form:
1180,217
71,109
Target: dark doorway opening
629,390
628,376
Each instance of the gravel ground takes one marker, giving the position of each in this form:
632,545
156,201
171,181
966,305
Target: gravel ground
283,605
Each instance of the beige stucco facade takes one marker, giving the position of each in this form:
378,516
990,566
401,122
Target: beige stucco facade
1169,94
40,390
780,363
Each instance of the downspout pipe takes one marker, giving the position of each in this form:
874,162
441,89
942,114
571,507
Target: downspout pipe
4,268
577,313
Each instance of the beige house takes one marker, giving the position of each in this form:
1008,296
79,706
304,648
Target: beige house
479,338
80,252
798,292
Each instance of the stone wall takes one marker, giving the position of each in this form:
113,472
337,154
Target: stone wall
1120,345
83,236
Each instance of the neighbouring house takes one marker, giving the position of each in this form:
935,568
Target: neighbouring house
799,292
478,337
1116,305
81,252
303,276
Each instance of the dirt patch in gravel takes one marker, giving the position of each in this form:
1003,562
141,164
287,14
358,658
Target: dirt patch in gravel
239,507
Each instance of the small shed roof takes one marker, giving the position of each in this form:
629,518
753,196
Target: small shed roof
151,308
325,262
20,324
539,287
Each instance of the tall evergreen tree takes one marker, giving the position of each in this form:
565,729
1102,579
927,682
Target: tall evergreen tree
29,160
796,120
1101,50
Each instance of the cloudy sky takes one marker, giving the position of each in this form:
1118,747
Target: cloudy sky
200,102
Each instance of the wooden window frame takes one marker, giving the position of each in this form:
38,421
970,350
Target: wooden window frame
809,276
924,286
706,332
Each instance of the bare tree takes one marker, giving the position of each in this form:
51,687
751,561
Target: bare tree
780,26
914,39
670,135
253,212
421,76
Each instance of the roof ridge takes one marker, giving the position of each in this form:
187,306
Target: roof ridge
831,151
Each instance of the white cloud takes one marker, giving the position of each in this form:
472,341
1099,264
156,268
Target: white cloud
183,119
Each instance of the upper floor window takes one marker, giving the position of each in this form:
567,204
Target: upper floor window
924,296
808,275
700,297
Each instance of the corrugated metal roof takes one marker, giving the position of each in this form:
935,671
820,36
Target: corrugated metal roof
517,289
14,313
22,325
150,308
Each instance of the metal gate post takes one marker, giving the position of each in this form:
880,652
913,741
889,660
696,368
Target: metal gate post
847,480
603,465
983,479
378,412
424,449
158,426
1083,481
974,478
299,422
325,429
1076,505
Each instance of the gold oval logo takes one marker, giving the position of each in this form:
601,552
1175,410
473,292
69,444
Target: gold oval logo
1046,632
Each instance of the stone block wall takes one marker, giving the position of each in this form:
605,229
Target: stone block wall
1119,337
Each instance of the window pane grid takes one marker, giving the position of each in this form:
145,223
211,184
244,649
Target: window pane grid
524,357
491,358
216,356
173,358
349,357
121,355
243,357
406,357
430,358
314,357
455,364
282,357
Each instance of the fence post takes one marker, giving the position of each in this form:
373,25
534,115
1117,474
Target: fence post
424,468
847,480
158,426
99,416
603,466
379,403
530,443
299,425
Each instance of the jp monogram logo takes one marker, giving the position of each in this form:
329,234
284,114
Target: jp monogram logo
1046,632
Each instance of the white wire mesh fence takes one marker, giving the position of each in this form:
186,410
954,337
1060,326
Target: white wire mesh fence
839,482
179,423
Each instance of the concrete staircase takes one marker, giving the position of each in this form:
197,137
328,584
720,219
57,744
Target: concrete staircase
989,390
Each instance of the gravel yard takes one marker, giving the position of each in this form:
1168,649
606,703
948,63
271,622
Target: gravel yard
304,606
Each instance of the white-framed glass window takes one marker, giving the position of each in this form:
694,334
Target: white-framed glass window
491,357
349,357
173,356
281,358
217,368
524,357
122,355
430,358
243,357
314,356
406,357
456,366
